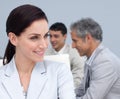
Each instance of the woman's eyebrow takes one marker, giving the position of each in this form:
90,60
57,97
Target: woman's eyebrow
47,33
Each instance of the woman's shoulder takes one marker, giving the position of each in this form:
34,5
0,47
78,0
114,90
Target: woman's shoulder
2,70
57,68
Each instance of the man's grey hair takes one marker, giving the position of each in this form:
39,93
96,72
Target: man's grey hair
85,26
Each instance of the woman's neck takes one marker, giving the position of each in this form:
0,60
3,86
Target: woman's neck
24,65
24,68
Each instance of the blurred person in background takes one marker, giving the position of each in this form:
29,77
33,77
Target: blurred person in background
58,35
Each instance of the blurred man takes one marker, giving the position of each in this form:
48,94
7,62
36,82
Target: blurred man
102,67
58,34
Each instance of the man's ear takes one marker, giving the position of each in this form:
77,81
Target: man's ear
12,38
65,36
88,36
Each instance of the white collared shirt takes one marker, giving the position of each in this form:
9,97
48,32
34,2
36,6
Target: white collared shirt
61,50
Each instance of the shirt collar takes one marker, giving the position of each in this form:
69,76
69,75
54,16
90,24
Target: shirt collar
94,54
61,51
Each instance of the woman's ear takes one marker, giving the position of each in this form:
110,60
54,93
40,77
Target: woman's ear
12,38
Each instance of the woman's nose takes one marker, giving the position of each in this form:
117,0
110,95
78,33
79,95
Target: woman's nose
44,43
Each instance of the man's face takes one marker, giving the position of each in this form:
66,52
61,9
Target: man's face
82,45
57,39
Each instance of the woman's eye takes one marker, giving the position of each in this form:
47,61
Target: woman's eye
34,37
47,35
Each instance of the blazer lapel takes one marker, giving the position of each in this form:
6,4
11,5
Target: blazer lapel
88,65
87,77
11,82
38,81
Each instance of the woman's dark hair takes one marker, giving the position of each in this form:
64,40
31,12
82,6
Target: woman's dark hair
18,20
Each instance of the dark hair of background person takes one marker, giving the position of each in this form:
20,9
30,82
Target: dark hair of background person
18,20
58,26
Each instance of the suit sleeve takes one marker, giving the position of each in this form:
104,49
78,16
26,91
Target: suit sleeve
103,78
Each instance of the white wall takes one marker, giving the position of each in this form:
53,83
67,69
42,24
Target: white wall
106,12
1,63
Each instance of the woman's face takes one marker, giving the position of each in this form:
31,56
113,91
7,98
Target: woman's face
32,43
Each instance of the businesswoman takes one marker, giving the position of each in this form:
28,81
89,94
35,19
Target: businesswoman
25,75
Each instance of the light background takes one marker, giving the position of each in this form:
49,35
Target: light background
105,12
